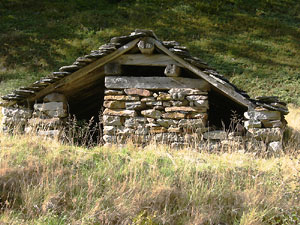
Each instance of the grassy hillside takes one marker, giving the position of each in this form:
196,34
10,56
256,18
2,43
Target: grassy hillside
44,182
255,43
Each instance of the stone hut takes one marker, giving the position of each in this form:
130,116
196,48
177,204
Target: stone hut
144,88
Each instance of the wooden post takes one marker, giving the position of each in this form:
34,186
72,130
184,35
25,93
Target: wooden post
172,70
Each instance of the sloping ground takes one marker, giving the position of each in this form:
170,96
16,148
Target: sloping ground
44,182
254,43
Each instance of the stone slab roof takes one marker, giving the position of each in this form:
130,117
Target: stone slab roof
20,95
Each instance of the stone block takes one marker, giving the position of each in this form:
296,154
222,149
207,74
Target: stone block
138,91
196,97
135,105
181,109
162,96
55,97
134,122
174,115
252,124
148,99
120,112
61,113
166,122
262,115
275,147
159,107
121,98
167,104
49,106
198,115
111,130
114,104
215,135
191,123
179,103
45,123
152,113
17,112
266,134
201,104
155,103
49,133
110,139
112,120
141,130
272,123
154,130
187,91
114,92
174,130
14,121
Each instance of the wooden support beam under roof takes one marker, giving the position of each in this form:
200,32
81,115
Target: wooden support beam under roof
145,60
223,88
79,74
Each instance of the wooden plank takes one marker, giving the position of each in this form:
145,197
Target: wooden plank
146,60
232,94
82,72
154,83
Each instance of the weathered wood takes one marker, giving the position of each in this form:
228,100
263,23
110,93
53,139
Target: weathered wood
172,70
81,73
113,69
146,47
232,94
154,83
146,60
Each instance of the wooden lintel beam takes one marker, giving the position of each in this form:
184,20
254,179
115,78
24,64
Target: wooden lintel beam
146,60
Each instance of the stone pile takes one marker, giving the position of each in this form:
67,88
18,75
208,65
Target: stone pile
176,116
266,122
49,117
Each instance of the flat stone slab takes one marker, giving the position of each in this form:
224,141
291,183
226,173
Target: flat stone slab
181,109
138,91
154,83
119,112
263,115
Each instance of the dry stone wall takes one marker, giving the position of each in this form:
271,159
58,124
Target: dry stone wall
266,123
175,116
46,119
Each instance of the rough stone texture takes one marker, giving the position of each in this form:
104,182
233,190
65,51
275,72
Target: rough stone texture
275,146
112,120
17,112
121,98
114,104
252,124
267,134
263,115
119,112
272,123
135,105
157,112
152,113
55,97
138,91
114,92
215,135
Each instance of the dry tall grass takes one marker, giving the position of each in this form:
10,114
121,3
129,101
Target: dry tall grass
45,182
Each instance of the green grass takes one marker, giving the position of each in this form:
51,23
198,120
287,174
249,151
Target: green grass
44,182
254,43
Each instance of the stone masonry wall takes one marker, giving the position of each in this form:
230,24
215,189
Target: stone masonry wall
176,116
